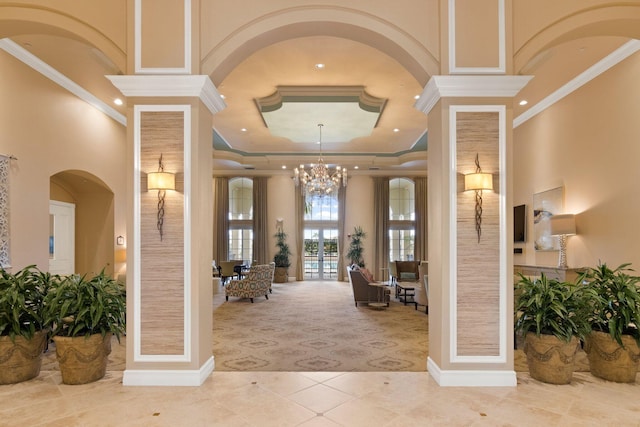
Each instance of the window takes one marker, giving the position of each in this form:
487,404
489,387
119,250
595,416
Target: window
321,237
241,219
402,215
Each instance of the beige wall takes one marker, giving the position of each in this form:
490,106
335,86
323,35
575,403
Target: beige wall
588,143
50,130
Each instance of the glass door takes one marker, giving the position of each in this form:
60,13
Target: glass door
320,253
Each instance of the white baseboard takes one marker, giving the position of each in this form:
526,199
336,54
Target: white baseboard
471,378
157,377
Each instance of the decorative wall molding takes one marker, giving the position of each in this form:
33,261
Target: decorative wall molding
171,86
583,78
501,68
501,357
135,244
186,68
5,168
471,378
186,378
469,86
57,77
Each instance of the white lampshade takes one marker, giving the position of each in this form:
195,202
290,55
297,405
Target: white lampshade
478,181
161,181
563,224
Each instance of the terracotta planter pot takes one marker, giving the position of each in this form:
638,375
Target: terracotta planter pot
550,359
21,360
609,361
82,360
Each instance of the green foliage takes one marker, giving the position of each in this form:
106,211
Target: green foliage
616,309
76,306
21,301
552,307
281,258
354,253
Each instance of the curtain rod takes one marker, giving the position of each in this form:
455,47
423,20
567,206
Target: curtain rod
9,156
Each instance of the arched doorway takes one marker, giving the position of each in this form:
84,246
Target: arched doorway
93,226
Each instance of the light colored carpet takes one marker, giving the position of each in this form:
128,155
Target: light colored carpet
315,326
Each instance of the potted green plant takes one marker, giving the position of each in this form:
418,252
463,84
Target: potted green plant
354,253
22,332
554,316
613,347
83,314
281,258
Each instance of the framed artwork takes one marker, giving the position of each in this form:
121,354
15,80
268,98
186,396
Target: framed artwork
545,205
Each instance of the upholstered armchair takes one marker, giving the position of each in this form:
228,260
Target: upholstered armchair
256,283
363,291
227,270
407,271
421,296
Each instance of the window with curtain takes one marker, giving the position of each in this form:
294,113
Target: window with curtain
402,219
241,219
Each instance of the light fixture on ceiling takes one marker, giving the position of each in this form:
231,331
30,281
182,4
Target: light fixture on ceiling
524,102
161,181
477,182
118,101
319,66
319,181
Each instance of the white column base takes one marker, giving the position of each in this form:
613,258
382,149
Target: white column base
173,377
471,378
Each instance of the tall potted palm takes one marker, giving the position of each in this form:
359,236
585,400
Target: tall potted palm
83,314
554,316
613,348
281,258
22,331
355,251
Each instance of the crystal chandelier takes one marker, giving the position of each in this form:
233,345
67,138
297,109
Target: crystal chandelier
319,181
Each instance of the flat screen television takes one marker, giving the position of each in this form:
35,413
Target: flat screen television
520,224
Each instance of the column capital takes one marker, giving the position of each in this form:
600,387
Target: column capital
469,86
171,85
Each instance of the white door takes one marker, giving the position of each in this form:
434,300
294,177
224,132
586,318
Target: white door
62,230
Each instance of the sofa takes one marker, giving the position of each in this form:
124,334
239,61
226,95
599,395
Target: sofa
363,291
257,282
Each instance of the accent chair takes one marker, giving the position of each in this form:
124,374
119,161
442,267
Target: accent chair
363,291
257,282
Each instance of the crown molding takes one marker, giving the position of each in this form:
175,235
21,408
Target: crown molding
583,78
57,77
171,86
469,86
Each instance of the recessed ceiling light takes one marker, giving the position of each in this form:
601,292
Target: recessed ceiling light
524,102
117,101
319,66
416,97
243,129
396,130
284,166
222,96
356,167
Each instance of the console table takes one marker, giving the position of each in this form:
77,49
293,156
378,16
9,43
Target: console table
562,274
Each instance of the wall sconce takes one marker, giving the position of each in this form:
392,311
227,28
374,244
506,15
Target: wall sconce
120,240
563,226
478,181
161,181
279,224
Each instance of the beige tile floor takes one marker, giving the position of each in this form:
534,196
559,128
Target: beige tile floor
318,399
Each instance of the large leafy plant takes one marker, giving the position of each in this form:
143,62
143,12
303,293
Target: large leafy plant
616,308
355,251
78,306
552,307
281,259
21,301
